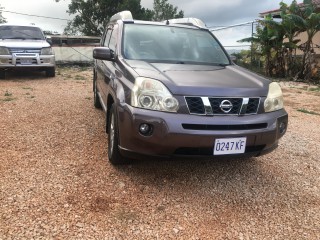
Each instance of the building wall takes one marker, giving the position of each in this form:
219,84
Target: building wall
316,42
74,49
76,54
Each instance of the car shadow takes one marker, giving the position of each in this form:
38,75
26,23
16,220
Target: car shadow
203,175
22,75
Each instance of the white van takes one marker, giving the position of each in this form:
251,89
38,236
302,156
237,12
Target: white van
25,47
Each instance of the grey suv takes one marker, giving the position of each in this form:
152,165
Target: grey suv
169,89
25,47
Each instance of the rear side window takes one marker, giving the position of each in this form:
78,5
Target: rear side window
21,32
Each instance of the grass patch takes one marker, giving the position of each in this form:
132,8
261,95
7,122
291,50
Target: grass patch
84,68
79,77
8,99
307,111
125,216
68,76
7,94
27,88
314,89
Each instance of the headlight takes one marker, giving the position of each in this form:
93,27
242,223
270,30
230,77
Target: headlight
274,100
152,94
46,51
4,51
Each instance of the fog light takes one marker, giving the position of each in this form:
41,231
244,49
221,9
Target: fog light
145,129
282,127
4,61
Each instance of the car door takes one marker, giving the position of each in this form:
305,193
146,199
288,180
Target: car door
103,73
111,65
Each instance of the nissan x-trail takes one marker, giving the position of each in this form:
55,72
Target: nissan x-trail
169,89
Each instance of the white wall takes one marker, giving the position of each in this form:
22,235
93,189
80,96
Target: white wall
73,54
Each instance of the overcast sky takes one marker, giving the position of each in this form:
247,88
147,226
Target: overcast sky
212,12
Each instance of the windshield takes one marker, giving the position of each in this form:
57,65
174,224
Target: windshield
20,32
172,44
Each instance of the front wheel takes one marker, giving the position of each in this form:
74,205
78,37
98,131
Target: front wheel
2,74
51,72
113,139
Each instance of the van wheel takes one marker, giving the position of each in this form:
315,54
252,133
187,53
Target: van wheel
2,74
51,72
113,140
96,100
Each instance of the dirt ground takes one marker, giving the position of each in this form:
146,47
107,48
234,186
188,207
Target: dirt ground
56,181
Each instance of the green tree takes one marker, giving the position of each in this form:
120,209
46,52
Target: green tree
291,32
268,41
162,10
279,42
307,20
2,19
91,16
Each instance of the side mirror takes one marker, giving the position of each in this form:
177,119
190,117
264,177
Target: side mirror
103,53
49,40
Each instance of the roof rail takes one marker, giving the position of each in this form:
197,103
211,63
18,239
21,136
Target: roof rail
188,21
124,15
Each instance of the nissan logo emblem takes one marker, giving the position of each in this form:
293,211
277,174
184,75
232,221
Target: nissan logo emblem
226,106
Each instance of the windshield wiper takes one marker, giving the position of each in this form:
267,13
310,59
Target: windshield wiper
22,38
220,64
223,64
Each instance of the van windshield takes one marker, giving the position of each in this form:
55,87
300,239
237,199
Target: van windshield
21,32
172,44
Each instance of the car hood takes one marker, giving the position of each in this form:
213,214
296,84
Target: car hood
17,43
204,80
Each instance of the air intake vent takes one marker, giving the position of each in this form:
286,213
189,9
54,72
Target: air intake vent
222,106
24,51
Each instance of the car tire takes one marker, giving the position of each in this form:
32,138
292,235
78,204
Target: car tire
2,74
51,72
114,155
96,99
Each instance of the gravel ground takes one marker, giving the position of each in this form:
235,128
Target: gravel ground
56,182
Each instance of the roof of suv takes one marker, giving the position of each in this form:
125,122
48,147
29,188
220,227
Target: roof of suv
126,16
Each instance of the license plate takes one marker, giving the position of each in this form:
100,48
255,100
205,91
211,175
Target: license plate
26,61
223,146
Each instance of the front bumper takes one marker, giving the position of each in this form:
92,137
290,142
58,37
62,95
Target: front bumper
25,60
187,135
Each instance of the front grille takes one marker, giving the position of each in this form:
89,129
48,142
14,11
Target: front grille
224,127
23,61
215,104
253,105
24,50
195,105
222,106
